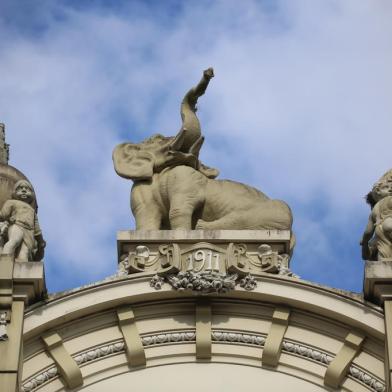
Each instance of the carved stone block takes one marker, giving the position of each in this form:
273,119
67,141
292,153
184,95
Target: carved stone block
204,260
29,280
377,285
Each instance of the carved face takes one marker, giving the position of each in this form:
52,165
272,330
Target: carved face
24,191
382,189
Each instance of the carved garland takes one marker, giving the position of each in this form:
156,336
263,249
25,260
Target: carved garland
204,282
354,372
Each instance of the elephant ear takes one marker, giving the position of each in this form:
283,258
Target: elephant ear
209,172
132,162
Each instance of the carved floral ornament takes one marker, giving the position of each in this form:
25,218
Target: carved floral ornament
205,267
3,326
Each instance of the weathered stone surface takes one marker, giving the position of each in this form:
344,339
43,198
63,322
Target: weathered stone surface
377,238
174,190
29,280
20,233
377,280
205,261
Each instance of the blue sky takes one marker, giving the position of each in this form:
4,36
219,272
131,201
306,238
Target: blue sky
300,108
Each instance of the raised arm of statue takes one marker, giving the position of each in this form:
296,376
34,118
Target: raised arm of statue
189,138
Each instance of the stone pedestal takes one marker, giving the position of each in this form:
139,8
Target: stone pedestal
377,285
29,281
377,288
204,260
21,283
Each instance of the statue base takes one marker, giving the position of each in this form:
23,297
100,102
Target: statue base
204,260
29,280
377,285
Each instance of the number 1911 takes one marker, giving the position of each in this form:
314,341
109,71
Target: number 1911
207,258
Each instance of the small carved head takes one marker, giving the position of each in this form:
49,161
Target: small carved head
24,191
380,190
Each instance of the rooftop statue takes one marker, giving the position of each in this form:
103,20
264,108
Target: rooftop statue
174,190
20,234
19,228
377,238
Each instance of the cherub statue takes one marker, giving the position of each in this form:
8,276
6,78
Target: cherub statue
377,238
19,227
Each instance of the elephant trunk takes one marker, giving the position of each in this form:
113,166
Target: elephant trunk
189,136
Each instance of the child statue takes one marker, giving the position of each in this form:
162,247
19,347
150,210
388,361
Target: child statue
377,238
19,227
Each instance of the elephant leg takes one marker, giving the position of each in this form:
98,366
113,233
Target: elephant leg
148,218
180,213
227,222
186,193
147,212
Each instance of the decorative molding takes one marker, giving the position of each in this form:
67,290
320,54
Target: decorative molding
204,282
133,342
170,337
307,352
339,366
248,282
99,352
66,365
367,379
203,329
36,381
3,326
274,340
217,336
234,337
166,257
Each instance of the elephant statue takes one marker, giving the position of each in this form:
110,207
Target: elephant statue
173,190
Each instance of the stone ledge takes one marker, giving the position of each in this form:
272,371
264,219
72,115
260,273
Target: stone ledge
127,237
377,282
29,280
212,235
222,251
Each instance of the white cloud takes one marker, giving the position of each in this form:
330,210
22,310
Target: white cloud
301,100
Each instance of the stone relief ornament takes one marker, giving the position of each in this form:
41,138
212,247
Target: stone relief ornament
204,267
272,261
377,238
248,282
173,190
217,336
3,326
20,233
204,282
142,259
264,260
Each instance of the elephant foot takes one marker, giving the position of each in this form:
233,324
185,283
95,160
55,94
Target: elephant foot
201,225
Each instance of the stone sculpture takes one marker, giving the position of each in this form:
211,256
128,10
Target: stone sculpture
19,228
174,190
377,238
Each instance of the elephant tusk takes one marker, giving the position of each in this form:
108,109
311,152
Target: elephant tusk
195,148
178,141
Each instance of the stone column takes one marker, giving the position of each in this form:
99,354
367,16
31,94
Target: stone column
20,284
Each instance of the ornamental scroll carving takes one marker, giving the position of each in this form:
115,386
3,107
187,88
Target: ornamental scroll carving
203,266
204,257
